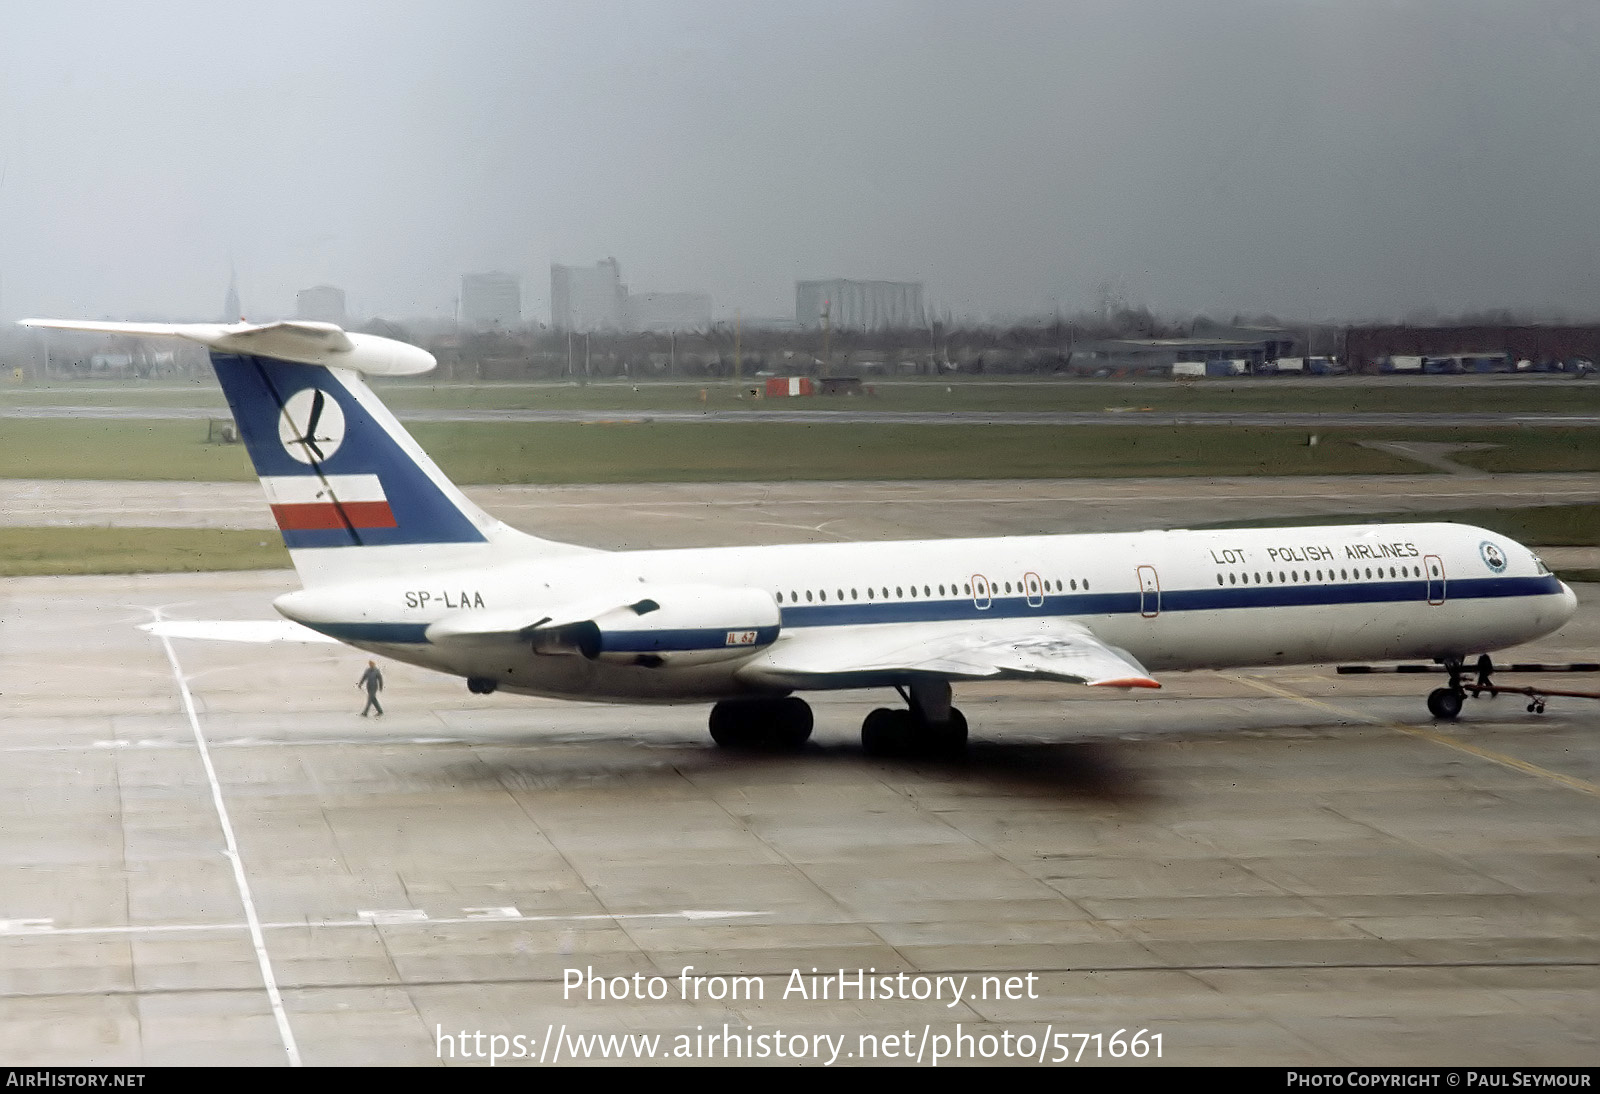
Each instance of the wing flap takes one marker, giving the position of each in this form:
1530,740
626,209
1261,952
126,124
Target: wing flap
1018,649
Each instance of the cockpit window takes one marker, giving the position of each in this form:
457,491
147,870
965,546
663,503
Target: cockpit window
1539,567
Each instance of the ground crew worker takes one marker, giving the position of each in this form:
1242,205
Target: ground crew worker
372,680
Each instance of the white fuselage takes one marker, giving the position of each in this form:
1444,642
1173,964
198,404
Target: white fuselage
1175,600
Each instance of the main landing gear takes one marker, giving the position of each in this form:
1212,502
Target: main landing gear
929,726
767,725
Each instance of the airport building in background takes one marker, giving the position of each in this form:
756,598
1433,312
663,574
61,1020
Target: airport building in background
491,300
587,298
321,303
593,298
860,305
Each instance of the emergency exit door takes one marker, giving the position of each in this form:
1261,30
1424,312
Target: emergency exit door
1149,592
1433,565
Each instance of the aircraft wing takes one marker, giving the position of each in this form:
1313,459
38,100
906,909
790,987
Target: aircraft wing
1008,648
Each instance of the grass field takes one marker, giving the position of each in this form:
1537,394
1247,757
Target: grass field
771,451
87,448
514,452
672,452
1356,394
39,551
1548,450
988,396
1062,395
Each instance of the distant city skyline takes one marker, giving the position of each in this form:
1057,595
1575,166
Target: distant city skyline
1315,161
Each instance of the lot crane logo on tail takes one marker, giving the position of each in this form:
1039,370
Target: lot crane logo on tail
312,426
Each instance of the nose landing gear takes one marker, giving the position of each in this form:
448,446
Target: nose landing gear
1445,703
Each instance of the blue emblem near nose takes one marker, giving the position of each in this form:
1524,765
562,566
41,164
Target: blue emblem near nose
1493,556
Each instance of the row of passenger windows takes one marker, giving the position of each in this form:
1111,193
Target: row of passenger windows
904,592
1298,576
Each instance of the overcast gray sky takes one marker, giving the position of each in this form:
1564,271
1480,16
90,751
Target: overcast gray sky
1337,159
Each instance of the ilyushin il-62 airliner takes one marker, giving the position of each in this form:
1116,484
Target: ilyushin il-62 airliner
395,560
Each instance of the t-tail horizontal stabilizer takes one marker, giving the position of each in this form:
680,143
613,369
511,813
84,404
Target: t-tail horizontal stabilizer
301,341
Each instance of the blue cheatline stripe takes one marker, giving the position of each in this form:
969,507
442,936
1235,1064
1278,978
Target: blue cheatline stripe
1178,600
414,633
610,642
257,388
712,638
1068,605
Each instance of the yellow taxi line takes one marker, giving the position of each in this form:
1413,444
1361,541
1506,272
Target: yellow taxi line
1569,781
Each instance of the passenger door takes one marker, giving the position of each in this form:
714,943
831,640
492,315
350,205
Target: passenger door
1433,567
1033,586
1149,592
982,596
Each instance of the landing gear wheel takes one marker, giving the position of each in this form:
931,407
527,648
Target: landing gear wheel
728,729
482,685
886,732
889,732
1445,704
791,726
949,739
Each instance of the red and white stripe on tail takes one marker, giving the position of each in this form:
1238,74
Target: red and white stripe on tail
304,503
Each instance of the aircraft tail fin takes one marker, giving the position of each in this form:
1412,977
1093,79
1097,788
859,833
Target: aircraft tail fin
349,487
353,493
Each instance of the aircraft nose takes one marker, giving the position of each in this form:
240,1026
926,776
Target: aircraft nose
1569,602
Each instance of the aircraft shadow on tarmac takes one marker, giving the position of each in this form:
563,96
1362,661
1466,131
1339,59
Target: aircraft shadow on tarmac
1097,771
